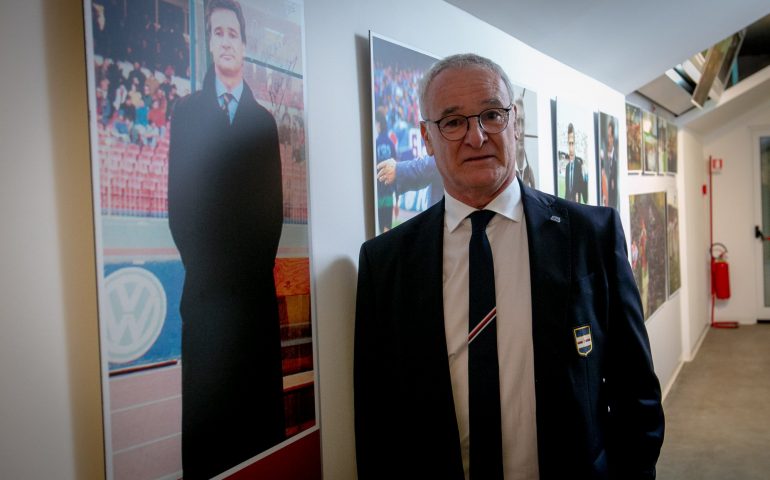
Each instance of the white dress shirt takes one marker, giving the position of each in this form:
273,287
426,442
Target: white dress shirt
507,233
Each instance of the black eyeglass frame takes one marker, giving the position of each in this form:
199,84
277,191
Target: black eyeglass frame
507,111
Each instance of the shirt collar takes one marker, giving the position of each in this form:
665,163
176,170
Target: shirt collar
507,203
236,92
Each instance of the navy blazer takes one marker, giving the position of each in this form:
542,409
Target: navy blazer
599,416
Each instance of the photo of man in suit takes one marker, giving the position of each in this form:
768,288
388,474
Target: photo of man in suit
225,216
575,184
576,395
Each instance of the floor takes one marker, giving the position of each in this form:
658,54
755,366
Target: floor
718,411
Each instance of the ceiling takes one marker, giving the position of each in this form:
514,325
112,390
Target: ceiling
627,45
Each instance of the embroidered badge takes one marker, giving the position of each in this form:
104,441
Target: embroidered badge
583,340
555,218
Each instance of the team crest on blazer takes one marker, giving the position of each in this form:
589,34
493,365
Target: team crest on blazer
583,340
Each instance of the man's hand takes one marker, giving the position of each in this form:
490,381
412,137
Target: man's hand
386,171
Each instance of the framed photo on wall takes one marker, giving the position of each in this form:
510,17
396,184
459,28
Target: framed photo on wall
663,151
197,117
674,277
527,152
634,138
650,143
406,180
672,145
574,159
608,160
648,248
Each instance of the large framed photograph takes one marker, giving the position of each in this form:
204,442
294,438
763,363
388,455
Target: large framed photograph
607,153
634,138
406,180
574,153
200,206
648,248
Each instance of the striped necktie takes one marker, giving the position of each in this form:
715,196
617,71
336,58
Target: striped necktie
227,97
486,457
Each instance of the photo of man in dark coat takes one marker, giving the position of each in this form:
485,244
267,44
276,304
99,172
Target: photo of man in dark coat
225,215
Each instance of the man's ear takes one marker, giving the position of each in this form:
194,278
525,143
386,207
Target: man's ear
426,138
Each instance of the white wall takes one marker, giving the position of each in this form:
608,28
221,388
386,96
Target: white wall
50,412
735,209
696,286
50,416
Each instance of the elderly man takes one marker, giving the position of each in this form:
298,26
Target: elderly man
499,334
226,215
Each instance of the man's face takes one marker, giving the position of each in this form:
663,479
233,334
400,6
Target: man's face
610,139
226,44
478,166
571,143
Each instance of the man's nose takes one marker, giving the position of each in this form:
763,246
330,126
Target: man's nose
475,136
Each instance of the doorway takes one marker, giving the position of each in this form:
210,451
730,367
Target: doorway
761,148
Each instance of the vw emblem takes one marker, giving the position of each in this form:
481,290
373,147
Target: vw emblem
135,313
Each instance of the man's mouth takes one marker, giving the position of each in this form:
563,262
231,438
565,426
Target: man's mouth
478,158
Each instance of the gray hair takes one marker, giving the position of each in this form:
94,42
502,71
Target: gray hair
456,62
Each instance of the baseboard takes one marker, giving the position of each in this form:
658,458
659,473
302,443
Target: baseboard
699,343
678,368
671,381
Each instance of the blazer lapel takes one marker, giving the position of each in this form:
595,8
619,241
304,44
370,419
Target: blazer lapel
427,258
245,104
427,346
548,234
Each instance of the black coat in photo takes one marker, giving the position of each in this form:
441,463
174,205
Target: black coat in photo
225,215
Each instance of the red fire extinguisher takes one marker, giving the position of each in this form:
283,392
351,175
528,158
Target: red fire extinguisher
720,272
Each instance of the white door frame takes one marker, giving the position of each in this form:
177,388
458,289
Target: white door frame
762,311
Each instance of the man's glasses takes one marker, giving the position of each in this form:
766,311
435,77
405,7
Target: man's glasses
491,120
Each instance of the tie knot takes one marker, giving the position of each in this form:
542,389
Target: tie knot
480,219
227,97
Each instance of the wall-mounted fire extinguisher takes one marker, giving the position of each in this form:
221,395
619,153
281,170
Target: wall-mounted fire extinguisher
720,271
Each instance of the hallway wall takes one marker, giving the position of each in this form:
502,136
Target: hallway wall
50,400
695,242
